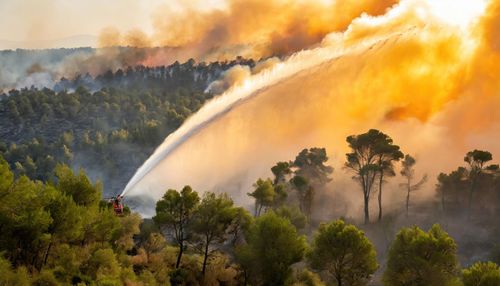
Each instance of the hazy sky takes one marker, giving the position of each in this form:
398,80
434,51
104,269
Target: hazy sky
42,20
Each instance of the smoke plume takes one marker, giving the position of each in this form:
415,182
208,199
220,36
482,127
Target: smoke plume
253,29
420,73
237,74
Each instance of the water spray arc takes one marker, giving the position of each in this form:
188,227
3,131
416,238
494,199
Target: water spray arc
408,70
239,94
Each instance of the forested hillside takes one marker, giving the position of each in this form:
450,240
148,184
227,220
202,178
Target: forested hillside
64,233
58,228
108,124
250,142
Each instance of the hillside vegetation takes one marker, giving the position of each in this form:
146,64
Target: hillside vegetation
61,232
108,125
64,151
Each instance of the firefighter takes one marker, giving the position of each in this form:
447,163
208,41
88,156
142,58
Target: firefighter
118,205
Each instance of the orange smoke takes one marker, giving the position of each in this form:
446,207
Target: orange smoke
479,89
422,74
250,28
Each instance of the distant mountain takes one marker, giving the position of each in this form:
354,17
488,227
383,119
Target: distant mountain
69,42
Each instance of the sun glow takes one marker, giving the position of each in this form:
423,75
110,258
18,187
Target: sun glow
460,13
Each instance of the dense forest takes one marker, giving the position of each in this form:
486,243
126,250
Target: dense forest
62,232
65,150
96,68
108,125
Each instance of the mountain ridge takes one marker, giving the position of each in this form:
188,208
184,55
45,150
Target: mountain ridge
74,41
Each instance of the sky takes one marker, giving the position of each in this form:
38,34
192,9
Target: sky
37,23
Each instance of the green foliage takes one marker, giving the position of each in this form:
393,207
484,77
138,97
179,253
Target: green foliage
61,237
372,154
220,272
67,220
451,190
65,260
60,232
307,278
408,172
45,278
100,226
294,215
477,158
280,196
305,193
241,223
179,276
24,221
280,171
7,177
10,277
344,252
110,123
273,245
123,237
387,154
102,266
481,274
310,164
422,258
264,195
154,244
211,222
476,161
78,186
174,213
147,278
473,187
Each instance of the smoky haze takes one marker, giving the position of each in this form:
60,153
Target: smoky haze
416,73
255,28
181,30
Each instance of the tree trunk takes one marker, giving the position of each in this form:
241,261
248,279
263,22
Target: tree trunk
367,213
181,249
205,258
47,253
471,191
408,190
33,261
407,200
245,277
380,196
339,280
443,201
